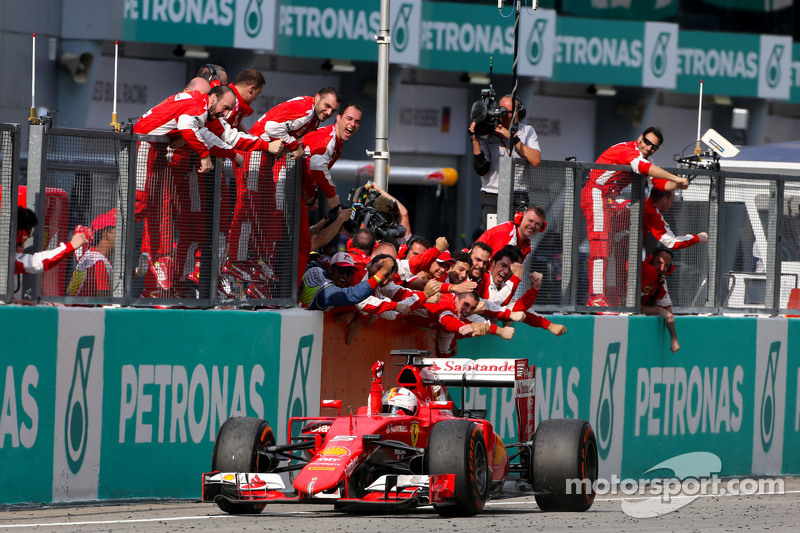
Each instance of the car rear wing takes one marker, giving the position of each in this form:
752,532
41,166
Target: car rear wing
489,373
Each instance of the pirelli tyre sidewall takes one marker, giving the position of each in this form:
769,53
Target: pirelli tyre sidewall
564,450
458,447
236,450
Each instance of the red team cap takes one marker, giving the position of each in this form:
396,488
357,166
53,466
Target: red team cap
342,259
445,257
105,220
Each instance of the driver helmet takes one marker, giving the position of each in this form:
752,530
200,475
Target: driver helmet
399,400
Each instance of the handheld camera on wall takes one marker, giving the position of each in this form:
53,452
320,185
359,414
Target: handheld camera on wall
372,211
486,114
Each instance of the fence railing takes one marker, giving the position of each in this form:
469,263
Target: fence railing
168,235
9,171
749,265
160,231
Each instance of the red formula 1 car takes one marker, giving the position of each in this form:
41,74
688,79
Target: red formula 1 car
409,447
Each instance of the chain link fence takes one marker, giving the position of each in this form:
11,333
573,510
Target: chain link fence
750,264
160,232
9,176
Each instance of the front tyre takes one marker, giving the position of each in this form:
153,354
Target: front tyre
236,450
457,447
564,465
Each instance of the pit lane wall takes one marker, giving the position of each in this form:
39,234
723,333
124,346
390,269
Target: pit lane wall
733,389
125,403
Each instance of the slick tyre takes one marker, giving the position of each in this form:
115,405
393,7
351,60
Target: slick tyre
457,447
564,450
236,450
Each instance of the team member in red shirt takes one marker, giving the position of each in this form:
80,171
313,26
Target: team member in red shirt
183,118
323,148
40,261
247,87
655,297
260,196
527,222
598,201
658,203
93,274
456,319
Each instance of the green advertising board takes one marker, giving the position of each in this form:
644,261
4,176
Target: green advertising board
28,394
167,394
228,23
731,390
450,36
347,29
126,403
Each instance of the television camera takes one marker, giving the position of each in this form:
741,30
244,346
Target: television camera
373,211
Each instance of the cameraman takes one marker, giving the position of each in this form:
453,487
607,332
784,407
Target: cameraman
487,153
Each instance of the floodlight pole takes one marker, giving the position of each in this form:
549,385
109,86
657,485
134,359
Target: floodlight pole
381,154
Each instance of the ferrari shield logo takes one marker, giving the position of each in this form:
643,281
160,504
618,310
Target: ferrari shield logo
414,433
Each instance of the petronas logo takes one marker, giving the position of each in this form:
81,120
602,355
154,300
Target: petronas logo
535,47
253,20
658,59
298,403
76,427
768,397
400,31
605,404
774,66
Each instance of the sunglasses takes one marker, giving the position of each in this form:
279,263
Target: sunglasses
648,142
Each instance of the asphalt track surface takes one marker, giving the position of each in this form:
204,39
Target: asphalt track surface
778,512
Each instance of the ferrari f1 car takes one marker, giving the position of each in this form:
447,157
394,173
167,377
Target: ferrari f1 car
409,447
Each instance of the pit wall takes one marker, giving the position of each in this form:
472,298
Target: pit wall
125,403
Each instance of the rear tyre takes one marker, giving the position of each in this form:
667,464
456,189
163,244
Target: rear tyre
236,450
457,447
564,450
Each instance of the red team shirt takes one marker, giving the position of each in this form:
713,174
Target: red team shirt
322,149
184,115
503,235
655,224
611,182
288,121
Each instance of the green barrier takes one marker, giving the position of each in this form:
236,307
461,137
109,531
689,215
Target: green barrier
732,389
28,393
126,403
173,381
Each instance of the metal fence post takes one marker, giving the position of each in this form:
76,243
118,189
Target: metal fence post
570,241
633,287
773,266
716,198
505,190
212,244
298,197
37,162
130,218
121,281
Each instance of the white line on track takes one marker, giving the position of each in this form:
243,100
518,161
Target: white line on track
136,520
207,517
